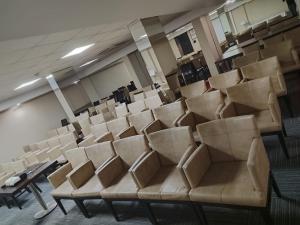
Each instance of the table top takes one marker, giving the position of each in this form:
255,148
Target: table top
269,35
32,173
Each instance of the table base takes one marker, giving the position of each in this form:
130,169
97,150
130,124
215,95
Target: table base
50,207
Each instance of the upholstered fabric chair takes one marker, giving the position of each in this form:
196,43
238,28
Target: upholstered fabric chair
121,110
97,119
194,89
225,80
100,107
116,176
159,174
62,187
52,133
273,40
269,67
241,61
62,130
137,107
231,167
258,98
139,97
54,142
202,109
286,53
166,116
153,102
294,36
251,48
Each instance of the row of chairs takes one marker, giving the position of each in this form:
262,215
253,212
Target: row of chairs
229,169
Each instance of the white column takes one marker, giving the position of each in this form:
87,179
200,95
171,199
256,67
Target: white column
207,40
89,89
61,98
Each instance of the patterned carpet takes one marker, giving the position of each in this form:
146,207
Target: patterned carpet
284,211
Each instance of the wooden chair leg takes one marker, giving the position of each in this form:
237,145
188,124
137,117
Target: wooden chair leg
112,209
60,205
82,208
150,213
283,144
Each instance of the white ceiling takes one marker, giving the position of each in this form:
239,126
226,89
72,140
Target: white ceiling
35,34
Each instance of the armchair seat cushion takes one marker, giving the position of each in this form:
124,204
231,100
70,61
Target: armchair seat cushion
265,122
228,183
123,188
64,190
91,188
167,184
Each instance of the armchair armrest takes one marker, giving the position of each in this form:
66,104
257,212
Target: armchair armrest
130,131
137,161
144,171
228,111
153,127
197,165
274,107
105,137
218,111
59,176
81,174
281,82
243,80
87,142
175,122
258,165
188,120
295,56
108,173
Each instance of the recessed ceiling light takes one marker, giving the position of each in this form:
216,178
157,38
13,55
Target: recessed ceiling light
78,50
27,84
49,76
89,62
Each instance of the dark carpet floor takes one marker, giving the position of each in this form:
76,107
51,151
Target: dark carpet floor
284,211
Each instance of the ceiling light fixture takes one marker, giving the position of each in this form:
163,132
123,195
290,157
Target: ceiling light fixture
27,84
230,1
49,76
78,50
89,62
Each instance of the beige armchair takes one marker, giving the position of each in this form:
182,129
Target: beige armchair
116,176
202,109
273,40
294,36
153,102
166,116
121,110
194,89
286,53
241,61
251,48
137,107
62,130
159,174
257,98
231,167
97,119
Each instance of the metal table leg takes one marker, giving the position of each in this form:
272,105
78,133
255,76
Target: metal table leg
47,207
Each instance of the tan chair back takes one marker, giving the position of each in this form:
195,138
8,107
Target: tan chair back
229,139
269,67
100,153
99,129
251,48
66,139
273,40
171,144
100,107
97,119
76,156
167,114
151,93
153,102
141,120
294,36
43,145
139,96
129,154
52,133
121,110
206,105
194,89
53,142
137,107
62,130
117,125
224,80
246,59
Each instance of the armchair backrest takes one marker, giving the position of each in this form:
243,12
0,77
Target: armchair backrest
117,125
229,139
153,102
282,50
141,120
246,59
251,48
167,114
76,156
43,145
52,133
151,93
53,142
100,153
273,40
251,96
62,130
206,105
137,107
171,144
269,67
131,148
121,110
293,35
33,147
99,129
194,89
97,119
225,80
67,138
139,96
100,107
